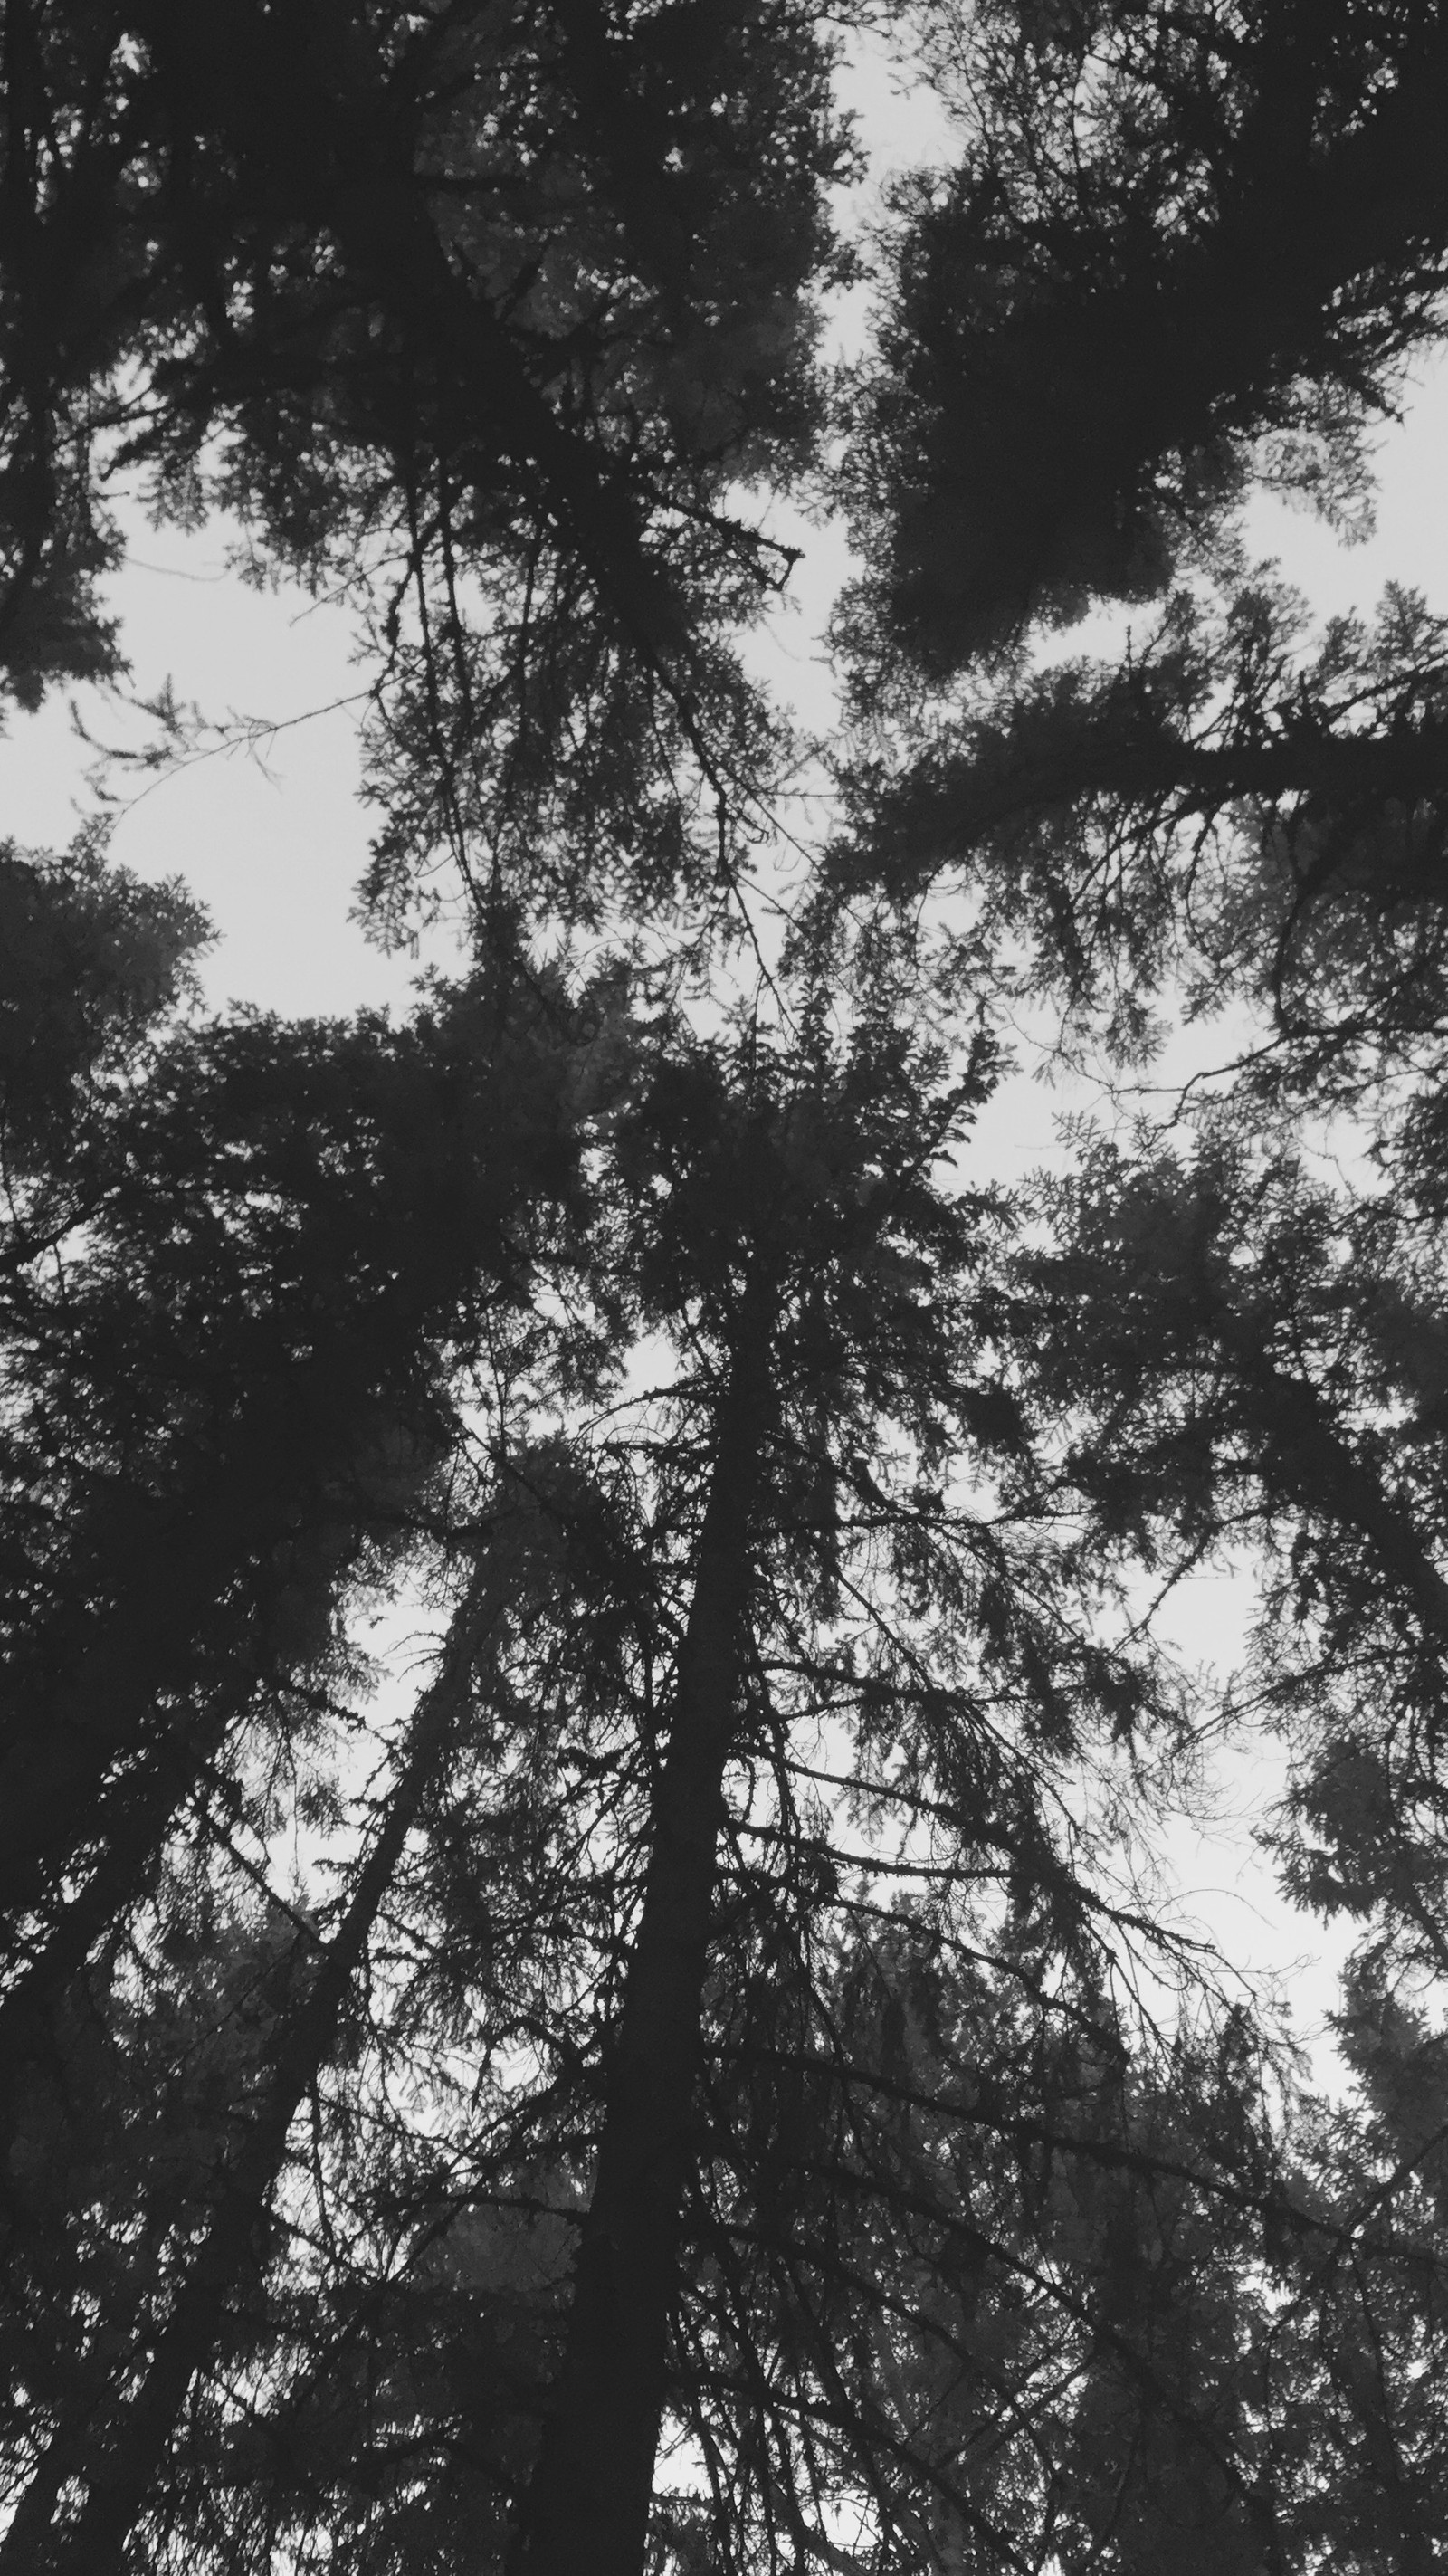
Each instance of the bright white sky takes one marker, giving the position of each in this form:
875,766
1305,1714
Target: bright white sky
275,854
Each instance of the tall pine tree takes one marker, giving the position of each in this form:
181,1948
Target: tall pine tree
708,2017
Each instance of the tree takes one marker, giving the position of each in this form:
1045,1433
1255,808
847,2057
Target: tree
773,1214
725,2015
1228,814
233,1288
1238,807
1176,251
480,321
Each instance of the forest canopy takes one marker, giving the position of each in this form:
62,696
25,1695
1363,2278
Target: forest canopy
593,1736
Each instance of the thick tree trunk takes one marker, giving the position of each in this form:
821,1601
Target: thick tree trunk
120,2469
587,2508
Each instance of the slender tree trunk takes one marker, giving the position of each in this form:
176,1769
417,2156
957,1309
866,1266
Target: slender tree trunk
587,2508
134,1828
54,1771
121,2470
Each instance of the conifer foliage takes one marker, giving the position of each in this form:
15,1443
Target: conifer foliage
587,1714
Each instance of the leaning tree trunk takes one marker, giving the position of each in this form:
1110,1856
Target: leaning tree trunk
120,2465
587,2507
134,1826
54,1771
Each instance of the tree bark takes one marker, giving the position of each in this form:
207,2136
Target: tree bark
121,2470
587,2507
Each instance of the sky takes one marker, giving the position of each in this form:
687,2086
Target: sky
273,839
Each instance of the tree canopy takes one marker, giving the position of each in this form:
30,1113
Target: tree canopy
592,1736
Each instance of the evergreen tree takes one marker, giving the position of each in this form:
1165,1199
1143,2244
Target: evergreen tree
836,1530
1235,812
718,2016
1178,249
237,1273
481,319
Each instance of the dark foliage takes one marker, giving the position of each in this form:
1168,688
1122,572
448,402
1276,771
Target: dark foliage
1240,807
585,1720
481,317
1179,246
232,1309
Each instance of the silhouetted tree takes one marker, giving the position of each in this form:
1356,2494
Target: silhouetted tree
1180,248
482,319
719,2011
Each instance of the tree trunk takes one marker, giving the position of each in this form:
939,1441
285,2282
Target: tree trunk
120,2471
135,1825
587,2508
54,1771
